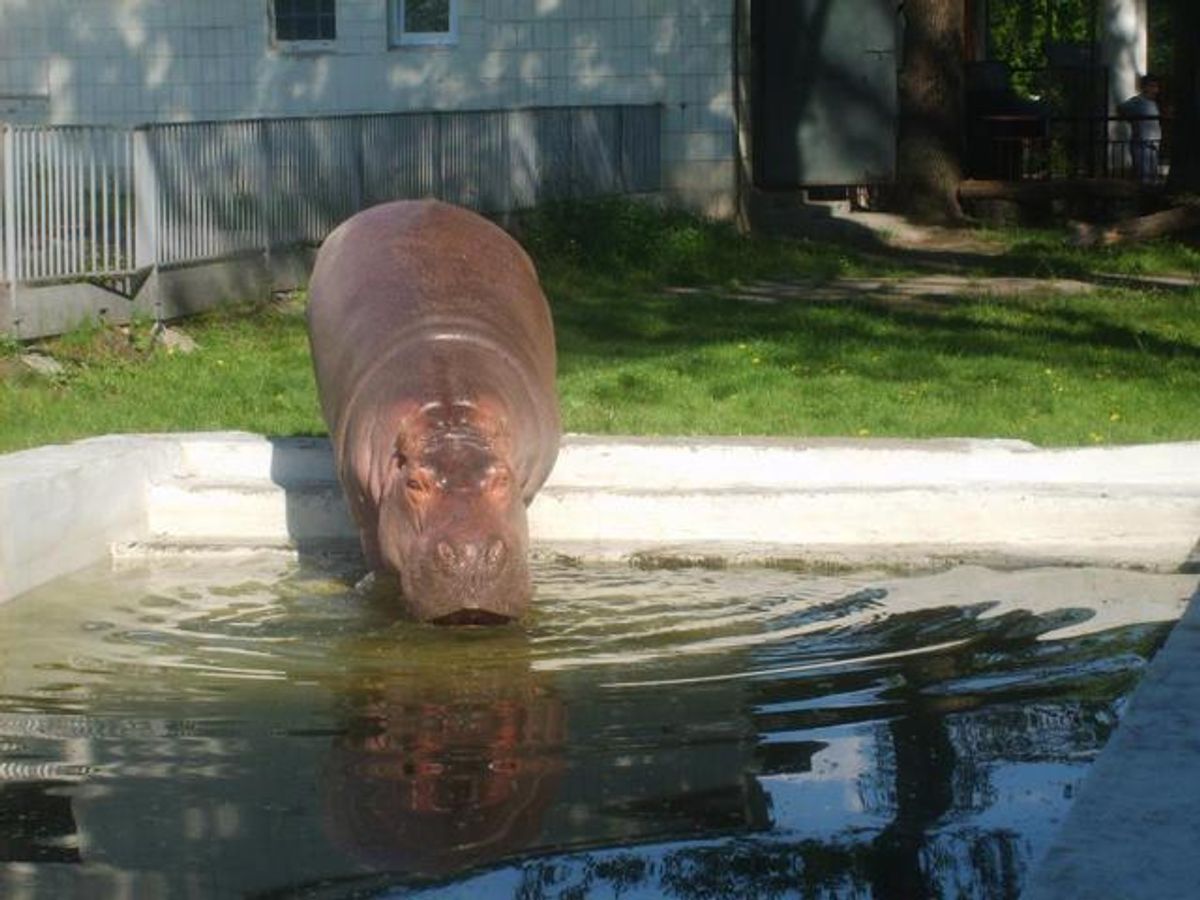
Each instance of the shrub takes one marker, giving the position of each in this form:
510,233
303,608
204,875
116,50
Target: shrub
610,234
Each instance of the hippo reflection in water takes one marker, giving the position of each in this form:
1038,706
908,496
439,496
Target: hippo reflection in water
435,775
457,752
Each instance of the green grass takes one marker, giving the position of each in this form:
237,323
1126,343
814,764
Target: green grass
1046,253
251,372
646,247
640,355
1115,367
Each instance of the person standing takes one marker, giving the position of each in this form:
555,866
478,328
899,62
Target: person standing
1145,127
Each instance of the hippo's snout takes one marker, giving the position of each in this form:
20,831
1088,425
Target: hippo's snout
474,580
454,526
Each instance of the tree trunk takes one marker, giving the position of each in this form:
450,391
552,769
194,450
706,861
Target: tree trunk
1185,86
1141,228
929,155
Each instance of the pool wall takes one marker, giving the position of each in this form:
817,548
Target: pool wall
66,507
905,504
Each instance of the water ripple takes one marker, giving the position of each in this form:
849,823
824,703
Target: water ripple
261,620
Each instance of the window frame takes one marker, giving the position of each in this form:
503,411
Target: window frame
400,37
300,44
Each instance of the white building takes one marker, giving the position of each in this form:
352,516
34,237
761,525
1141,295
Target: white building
131,62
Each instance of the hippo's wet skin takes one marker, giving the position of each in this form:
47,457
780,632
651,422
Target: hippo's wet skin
434,356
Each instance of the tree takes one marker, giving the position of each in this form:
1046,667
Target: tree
930,148
1185,143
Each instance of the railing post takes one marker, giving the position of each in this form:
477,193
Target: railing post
11,263
358,166
263,191
147,220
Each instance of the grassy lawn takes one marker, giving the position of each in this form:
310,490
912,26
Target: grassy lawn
664,328
1108,368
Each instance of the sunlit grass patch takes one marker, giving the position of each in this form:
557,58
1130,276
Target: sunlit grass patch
1116,366
250,372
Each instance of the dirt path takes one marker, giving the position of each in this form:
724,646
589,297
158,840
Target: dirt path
911,291
959,260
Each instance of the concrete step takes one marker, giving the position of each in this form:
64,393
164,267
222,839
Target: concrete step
206,509
819,500
237,456
1012,520
166,547
1069,522
680,463
829,464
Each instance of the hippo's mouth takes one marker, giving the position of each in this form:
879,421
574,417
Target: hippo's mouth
472,617
468,595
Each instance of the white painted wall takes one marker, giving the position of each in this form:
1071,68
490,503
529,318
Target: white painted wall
135,61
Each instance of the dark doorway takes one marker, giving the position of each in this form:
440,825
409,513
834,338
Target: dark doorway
823,92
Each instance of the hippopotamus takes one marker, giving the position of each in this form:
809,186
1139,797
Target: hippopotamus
433,349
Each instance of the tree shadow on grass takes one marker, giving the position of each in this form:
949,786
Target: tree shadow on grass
1048,255
607,326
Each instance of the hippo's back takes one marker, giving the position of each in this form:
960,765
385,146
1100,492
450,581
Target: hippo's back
393,281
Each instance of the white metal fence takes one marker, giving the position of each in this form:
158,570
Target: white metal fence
68,202
89,202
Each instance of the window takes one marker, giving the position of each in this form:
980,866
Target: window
424,21
305,20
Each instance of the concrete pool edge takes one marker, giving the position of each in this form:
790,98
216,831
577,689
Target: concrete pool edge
1132,831
811,503
65,507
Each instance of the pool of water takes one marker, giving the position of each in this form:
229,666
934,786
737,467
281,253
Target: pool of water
190,728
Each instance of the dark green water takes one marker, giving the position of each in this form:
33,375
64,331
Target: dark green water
190,728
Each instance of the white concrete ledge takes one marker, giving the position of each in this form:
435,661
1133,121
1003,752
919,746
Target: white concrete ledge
819,502
63,507
1133,830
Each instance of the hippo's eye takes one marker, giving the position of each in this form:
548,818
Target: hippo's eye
413,485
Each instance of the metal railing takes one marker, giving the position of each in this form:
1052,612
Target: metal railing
68,202
81,202
1030,148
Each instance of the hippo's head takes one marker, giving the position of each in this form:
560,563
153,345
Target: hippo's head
452,521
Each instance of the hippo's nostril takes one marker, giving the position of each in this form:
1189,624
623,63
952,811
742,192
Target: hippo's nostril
496,554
